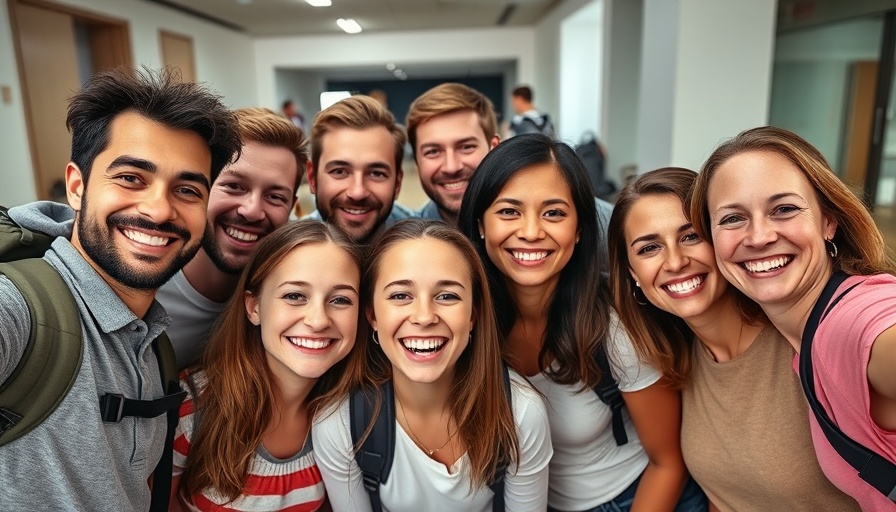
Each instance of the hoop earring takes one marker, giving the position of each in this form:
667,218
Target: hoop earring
374,338
635,295
832,249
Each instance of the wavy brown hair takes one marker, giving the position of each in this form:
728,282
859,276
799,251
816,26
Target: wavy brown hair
661,338
238,400
478,400
861,248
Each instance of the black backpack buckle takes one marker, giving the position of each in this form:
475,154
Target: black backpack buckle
112,407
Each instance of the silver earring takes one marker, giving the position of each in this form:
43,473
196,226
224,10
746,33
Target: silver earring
637,284
482,236
374,338
832,250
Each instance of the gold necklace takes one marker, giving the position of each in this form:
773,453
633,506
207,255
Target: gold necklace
414,436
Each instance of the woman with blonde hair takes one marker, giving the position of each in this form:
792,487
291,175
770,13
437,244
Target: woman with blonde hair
739,395
434,353
275,357
791,236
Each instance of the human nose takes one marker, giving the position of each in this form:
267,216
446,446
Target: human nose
156,205
760,232
675,260
251,208
530,228
424,313
357,189
316,317
452,162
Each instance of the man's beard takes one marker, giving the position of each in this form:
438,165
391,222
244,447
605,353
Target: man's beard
101,249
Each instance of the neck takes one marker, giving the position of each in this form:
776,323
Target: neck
790,318
291,396
722,330
423,398
207,279
137,300
532,302
448,217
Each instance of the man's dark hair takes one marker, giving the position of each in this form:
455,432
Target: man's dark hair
160,96
286,104
524,92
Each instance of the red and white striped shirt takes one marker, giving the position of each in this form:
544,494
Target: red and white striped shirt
292,484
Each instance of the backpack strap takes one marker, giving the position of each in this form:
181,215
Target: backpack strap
877,471
608,392
52,357
374,456
161,476
497,485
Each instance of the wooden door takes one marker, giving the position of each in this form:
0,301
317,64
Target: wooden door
177,52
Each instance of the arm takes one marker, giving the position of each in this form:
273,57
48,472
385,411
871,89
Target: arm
15,327
335,458
526,486
882,379
656,414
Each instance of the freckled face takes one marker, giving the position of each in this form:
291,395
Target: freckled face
676,270
768,228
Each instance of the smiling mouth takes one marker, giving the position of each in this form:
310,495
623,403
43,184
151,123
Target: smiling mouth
423,345
761,266
242,236
685,286
311,343
145,239
356,211
455,185
529,255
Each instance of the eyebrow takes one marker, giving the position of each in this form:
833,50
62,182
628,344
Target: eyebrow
517,202
306,284
245,176
773,198
150,167
441,283
654,236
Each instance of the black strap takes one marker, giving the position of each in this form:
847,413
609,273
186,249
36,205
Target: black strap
114,407
497,485
374,456
608,392
873,469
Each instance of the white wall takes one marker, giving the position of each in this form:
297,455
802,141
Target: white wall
706,75
622,71
366,49
581,73
15,173
224,60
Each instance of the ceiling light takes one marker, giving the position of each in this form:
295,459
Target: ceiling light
348,25
390,66
319,3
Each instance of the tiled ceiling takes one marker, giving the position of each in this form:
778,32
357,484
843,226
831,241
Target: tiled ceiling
295,17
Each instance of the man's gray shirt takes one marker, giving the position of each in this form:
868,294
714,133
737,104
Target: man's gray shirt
74,461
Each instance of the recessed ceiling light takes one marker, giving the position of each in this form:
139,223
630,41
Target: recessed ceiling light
319,3
349,25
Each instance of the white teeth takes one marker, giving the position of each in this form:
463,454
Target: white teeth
457,185
530,256
143,238
686,286
241,235
423,344
315,344
767,265
355,212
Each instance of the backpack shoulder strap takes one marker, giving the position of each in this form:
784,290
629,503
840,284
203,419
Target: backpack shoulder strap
374,455
161,476
52,358
497,485
877,471
608,392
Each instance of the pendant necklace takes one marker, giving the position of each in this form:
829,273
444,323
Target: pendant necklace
429,452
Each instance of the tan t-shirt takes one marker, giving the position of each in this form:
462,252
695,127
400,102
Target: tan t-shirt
745,433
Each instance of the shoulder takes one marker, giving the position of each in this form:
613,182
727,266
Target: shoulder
401,212
528,404
15,327
631,373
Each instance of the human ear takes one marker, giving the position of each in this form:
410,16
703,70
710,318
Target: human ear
252,314
74,186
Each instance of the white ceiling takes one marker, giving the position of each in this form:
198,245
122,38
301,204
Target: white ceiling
295,17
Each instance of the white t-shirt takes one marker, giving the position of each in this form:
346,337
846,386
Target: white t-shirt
192,317
418,483
588,468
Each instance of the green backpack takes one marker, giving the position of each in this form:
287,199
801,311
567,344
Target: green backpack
52,358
